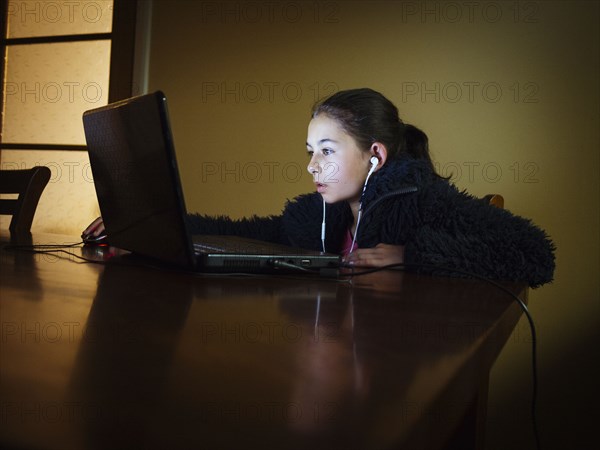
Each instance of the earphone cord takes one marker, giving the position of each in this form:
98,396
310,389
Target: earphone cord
323,228
360,210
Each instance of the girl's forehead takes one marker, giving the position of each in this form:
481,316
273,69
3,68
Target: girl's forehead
323,124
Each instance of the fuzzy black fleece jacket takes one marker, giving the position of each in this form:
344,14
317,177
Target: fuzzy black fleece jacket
406,204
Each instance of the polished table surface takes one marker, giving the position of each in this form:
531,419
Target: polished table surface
128,356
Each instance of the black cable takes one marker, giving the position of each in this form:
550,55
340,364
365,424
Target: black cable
51,249
35,246
287,265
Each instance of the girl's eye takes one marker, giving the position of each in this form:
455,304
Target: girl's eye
309,153
327,151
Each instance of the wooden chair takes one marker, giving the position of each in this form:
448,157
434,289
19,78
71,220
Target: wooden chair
29,185
495,200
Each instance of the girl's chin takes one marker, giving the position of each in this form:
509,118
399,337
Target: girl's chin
330,199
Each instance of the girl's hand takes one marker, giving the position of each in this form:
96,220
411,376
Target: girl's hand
95,228
378,256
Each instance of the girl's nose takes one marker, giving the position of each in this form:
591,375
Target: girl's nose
314,168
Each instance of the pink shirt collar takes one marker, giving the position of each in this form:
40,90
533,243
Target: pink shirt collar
347,243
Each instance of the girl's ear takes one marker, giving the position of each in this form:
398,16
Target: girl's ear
379,150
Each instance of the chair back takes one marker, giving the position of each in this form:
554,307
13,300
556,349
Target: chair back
29,185
495,200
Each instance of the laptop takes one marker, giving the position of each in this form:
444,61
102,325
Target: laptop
137,182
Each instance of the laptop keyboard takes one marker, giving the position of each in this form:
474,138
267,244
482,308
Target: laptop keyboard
205,248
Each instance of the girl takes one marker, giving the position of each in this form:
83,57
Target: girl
378,201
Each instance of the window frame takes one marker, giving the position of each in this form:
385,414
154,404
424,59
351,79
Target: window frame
122,56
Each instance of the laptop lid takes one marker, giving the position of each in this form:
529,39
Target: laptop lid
135,172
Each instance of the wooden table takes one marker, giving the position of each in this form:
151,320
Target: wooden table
123,356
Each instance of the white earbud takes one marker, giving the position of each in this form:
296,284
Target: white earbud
374,163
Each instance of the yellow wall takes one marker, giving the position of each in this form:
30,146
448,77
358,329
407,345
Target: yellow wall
507,91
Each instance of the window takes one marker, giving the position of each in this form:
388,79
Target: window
61,58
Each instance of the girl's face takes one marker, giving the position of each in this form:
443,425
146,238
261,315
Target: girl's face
339,168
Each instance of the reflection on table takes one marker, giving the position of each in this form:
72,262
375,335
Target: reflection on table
125,355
